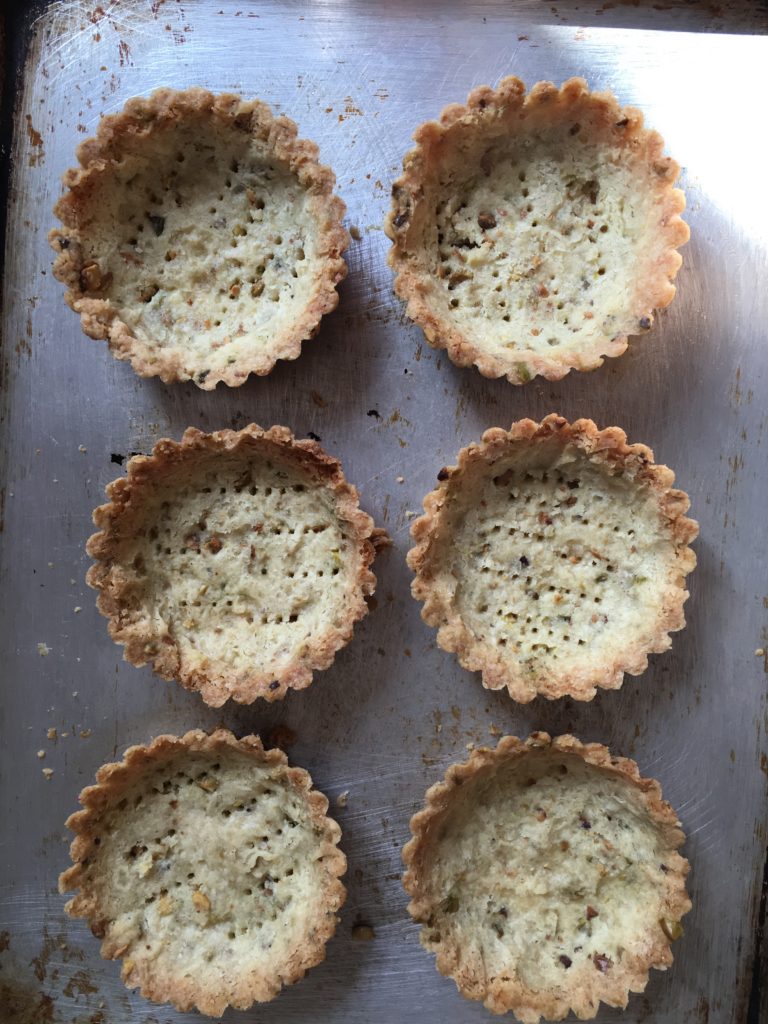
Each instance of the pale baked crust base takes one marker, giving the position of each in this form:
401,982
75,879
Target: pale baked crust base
101,320
484,110
164,986
124,510
433,587
499,995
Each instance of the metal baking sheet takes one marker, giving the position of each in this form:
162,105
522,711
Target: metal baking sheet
393,711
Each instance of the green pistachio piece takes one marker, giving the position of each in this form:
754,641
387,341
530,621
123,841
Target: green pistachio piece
672,929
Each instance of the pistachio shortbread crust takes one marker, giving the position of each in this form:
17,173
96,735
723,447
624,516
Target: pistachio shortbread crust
553,557
200,237
236,562
546,877
209,866
532,234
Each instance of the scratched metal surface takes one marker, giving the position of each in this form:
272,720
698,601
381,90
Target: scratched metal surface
393,711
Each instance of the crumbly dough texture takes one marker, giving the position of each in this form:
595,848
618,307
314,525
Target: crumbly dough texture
200,236
235,562
553,558
533,233
546,877
209,866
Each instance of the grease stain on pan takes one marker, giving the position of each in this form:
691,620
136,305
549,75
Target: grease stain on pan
737,393
23,1005
79,984
35,139
53,945
33,1000
281,736
350,109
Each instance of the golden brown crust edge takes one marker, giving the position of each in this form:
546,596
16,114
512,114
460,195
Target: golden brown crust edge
483,106
143,472
100,320
607,446
520,999
112,780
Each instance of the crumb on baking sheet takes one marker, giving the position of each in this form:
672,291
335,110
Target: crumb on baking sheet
41,754
48,773
43,650
494,730
354,231
342,799
52,734
363,932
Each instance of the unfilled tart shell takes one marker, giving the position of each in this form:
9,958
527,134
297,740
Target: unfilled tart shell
200,236
533,233
553,557
546,877
235,562
209,866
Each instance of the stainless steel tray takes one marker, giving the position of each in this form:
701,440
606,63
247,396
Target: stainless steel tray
393,711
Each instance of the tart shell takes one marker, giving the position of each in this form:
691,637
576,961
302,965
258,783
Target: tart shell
175,983
436,586
148,642
501,994
506,109
88,283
